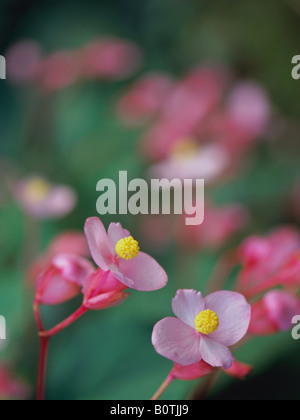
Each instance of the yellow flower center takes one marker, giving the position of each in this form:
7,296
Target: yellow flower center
185,149
37,189
206,322
127,248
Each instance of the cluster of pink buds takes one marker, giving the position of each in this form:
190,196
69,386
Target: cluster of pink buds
107,58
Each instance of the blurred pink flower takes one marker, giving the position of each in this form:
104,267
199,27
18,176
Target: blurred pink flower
144,99
110,58
249,108
43,200
204,329
262,257
12,388
58,71
273,313
208,162
190,101
220,224
22,60
71,242
63,279
118,252
102,290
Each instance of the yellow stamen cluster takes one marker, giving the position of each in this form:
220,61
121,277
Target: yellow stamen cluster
127,248
206,322
37,189
185,149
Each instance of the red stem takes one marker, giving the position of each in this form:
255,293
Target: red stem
68,321
44,346
43,356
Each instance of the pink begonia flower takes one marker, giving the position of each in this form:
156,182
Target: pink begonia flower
263,257
118,252
102,290
220,224
58,71
273,313
70,242
22,60
63,279
43,200
248,106
110,59
12,388
203,329
190,101
188,161
144,99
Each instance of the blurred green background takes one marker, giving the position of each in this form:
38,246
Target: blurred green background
73,137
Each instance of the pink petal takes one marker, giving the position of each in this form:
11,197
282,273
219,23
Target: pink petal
101,282
100,247
187,304
105,300
281,307
141,273
215,354
115,233
176,341
53,289
73,268
191,372
59,203
234,316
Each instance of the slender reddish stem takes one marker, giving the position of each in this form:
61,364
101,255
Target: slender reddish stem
64,324
169,379
43,356
44,346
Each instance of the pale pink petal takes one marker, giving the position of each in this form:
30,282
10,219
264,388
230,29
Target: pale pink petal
215,354
234,316
98,242
176,341
101,282
115,233
141,273
187,304
53,289
74,268
59,202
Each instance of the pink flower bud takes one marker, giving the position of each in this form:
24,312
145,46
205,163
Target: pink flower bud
63,280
